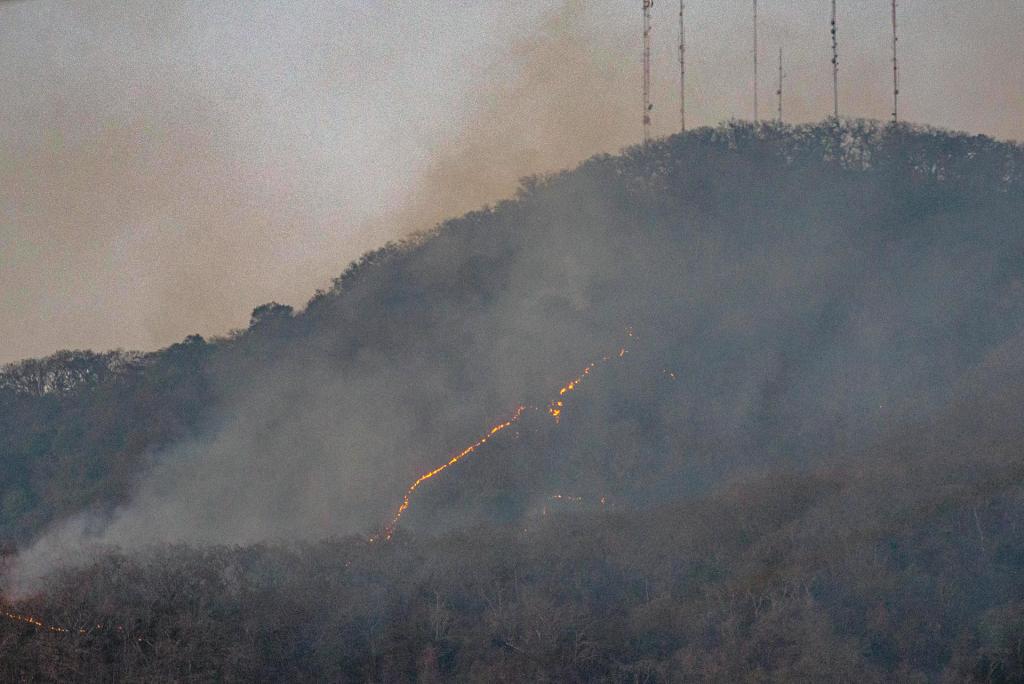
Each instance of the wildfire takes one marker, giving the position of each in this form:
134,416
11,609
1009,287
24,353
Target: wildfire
31,620
554,410
555,406
36,622
509,422
56,629
575,499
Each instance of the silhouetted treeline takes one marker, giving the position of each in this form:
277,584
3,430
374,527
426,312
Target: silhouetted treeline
75,427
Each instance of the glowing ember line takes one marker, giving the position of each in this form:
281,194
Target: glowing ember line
36,622
512,420
554,409
556,405
575,499
56,629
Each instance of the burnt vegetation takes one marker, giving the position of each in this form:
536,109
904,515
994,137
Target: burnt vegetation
807,468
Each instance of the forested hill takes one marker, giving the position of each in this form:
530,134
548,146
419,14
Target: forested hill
804,440
804,283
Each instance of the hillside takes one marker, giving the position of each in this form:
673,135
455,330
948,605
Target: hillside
797,452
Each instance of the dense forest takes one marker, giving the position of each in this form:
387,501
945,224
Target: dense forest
794,453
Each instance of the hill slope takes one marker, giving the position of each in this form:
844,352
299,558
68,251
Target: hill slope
807,286
825,313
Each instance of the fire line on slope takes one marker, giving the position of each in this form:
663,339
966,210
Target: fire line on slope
43,626
554,409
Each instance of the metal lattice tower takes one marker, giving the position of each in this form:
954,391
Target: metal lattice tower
835,63
682,65
755,61
779,91
895,70
647,4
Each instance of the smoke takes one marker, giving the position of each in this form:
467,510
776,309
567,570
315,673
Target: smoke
801,314
301,452
177,166
326,467
176,193
785,328
552,98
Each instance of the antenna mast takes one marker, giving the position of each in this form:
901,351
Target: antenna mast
647,70
779,91
755,61
835,64
682,64
895,70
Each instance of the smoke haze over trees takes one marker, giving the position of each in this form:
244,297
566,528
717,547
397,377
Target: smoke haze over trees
177,162
807,463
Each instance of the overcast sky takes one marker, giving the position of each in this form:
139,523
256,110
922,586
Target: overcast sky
167,166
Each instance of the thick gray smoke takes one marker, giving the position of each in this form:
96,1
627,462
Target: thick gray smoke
803,311
179,162
789,330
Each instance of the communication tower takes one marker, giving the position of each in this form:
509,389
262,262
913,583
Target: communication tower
647,4
895,70
779,91
755,61
835,63
682,65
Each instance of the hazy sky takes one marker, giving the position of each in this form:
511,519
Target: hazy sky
167,166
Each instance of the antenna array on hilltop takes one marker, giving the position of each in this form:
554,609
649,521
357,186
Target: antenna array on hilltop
834,34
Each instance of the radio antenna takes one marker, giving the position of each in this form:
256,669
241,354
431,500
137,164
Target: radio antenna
779,91
895,70
835,64
755,62
647,4
682,64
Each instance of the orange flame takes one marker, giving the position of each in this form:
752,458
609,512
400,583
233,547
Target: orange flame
37,622
555,406
512,420
567,497
554,409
